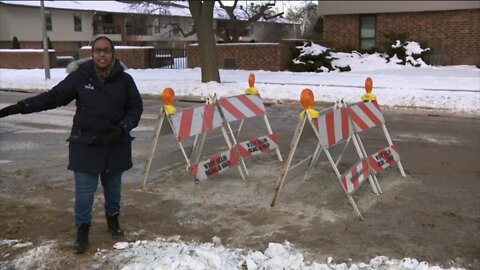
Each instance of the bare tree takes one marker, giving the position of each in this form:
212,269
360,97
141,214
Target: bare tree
305,14
202,14
238,23
203,26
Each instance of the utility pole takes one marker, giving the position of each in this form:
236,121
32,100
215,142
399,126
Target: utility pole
46,58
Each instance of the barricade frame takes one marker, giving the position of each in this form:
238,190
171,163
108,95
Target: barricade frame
322,146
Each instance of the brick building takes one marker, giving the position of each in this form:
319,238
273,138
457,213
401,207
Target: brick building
451,29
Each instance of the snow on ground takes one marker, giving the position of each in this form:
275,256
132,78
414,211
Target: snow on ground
173,253
449,88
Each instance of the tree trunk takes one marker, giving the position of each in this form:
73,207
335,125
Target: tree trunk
202,14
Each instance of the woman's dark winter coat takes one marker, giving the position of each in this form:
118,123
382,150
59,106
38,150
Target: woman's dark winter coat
100,107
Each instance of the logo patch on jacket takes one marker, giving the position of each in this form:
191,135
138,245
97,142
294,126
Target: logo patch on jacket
89,86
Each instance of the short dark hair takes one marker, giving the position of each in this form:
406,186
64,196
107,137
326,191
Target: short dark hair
105,38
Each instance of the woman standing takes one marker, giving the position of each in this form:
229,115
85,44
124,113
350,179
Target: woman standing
109,106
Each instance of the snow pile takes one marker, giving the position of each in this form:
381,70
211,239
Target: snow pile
175,254
316,58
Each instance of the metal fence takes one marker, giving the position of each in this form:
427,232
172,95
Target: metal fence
168,58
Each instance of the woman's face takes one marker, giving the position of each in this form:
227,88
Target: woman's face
102,54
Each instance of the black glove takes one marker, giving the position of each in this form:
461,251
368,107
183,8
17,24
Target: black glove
12,109
115,136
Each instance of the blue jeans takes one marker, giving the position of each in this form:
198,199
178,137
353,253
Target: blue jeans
85,188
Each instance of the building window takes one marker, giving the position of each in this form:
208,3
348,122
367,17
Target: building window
48,20
77,21
367,31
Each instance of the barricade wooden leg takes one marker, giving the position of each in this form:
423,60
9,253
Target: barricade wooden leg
158,127
379,188
293,147
185,155
313,162
362,155
389,140
269,128
239,128
243,168
343,150
198,146
200,190
339,176
352,202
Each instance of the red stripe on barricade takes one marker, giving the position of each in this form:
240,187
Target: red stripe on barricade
251,105
365,167
195,171
208,118
345,122
233,158
315,123
355,177
357,120
330,125
344,183
370,114
243,151
232,109
374,165
185,125
273,137
394,147
376,104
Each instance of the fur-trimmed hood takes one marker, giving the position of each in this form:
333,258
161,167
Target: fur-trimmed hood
76,64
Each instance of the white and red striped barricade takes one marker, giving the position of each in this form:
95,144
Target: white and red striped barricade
331,127
215,165
186,125
240,108
383,159
355,176
365,116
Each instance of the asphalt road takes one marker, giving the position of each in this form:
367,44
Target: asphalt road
431,215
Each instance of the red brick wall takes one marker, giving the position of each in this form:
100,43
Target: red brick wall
25,60
271,57
132,58
341,32
453,36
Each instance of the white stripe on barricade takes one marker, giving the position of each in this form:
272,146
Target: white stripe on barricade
354,177
241,107
365,115
333,126
196,120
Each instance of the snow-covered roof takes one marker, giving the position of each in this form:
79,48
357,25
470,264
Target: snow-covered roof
180,8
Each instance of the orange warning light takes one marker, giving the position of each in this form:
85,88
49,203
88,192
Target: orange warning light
368,85
168,96
369,96
251,90
306,98
251,80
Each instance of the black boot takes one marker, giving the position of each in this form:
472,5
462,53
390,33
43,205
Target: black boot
82,238
114,226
